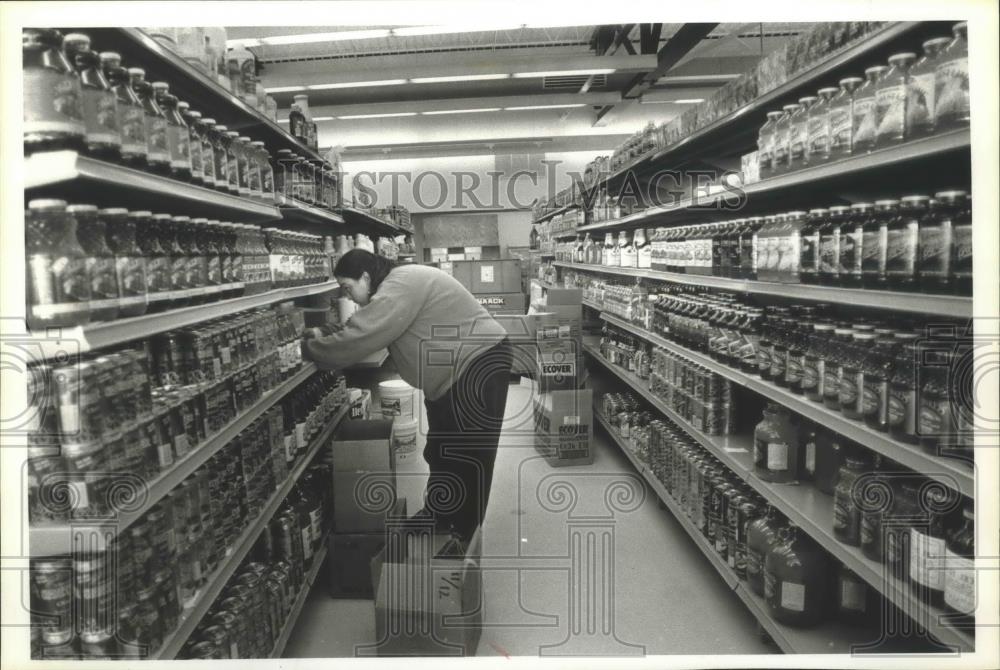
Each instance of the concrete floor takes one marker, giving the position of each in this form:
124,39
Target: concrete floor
663,598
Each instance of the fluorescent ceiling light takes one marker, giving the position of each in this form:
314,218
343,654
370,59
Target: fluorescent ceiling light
282,120
357,84
413,31
462,111
284,89
311,38
458,77
377,116
562,73
682,79
530,107
323,118
683,101
689,101
379,33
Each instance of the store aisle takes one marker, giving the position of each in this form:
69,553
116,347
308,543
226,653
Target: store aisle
666,598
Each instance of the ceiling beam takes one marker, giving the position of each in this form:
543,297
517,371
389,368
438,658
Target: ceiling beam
621,34
649,37
594,99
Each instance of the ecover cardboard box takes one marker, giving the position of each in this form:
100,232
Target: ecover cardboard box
564,424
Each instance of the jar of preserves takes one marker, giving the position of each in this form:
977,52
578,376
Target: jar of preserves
842,118
796,579
53,105
956,208
783,140
960,570
147,238
951,82
128,108
846,494
765,144
902,239
920,108
902,404
876,371
852,244
246,160
762,536
777,447
100,262
128,258
58,283
891,98
820,135
851,393
102,138
157,148
874,244
866,110
798,147
809,251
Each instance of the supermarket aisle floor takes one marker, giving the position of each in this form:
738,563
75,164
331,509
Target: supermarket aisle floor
665,598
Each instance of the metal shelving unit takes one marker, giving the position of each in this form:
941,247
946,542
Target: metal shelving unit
111,333
113,184
772,189
300,600
294,211
215,583
806,507
372,362
556,212
354,216
56,539
950,472
898,301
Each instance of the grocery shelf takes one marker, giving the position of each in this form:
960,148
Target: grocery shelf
898,301
544,284
58,539
951,472
295,211
721,132
215,583
360,217
806,507
555,212
58,343
300,600
114,185
781,186
372,362
202,92
830,637
591,304
564,234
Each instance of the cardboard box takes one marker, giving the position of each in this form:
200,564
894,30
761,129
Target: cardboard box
559,321
429,604
360,498
363,446
499,276
503,303
564,423
350,560
361,402
521,333
559,364
563,296
462,272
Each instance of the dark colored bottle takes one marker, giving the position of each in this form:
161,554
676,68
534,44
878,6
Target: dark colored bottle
852,380
833,366
851,244
830,454
809,249
779,350
748,248
902,240
830,242
796,584
846,495
762,536
813,362
936,429
956,207
178,135
148,236
130,263
857,603
798,342
960,571
128,107
902,405
100,262
157,149
874,244
53,106
102,138
927,543
876,371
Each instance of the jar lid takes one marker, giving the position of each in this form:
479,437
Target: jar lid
142,213
819,211
865,337
76,209
915,200
181,219
244,138
114,211
885,204
861,206
82,40
208,121
902,57
791,108
807,100
851,80
111,57
221,128
232,134
47,203
774,115
876,69
199,221
136,72
161,86
951,195
839,209
936,42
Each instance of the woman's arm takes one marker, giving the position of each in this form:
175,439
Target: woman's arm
373,327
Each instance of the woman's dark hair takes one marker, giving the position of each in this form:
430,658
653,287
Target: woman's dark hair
358,261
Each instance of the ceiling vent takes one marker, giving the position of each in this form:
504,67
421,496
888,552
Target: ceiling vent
574,82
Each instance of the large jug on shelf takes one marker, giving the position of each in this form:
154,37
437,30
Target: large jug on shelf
796,580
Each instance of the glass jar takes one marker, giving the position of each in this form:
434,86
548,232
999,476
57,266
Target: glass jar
266,172
128,107
820,135
833,364
936,427
890,100
830,453
935,249
157,149
191,120
798,147
200,250
851,244
58,284
902,239
765,144
857,604
813,362
846,494
237,163
798,342
877,368
874,244
762,536
829,246
842,118
852,378
777,448
783,139
100,263
210,152
927,530
254,170
225,164
866,110
178,137
920,108
129,264
102,138
809,252
960,571
902,403
796,579
156,260
246,160
53,104
951,82
956,206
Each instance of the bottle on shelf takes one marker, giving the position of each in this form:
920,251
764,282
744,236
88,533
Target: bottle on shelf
810,251
866,110
842,118
765,145
192,119
102,137
157,150
951,82
100,263
178,136
902,402
902,239
820,133
129,110
851,244
626,251
777,446
643,250
890,101
830,244
874,244
935,249
847,493
876,371
920,108
58,284
798,146
130,261
796,579
762,536
783,139
957,207
960,571
53,106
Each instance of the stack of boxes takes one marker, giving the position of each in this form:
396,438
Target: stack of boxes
563,409
495,284
364,497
